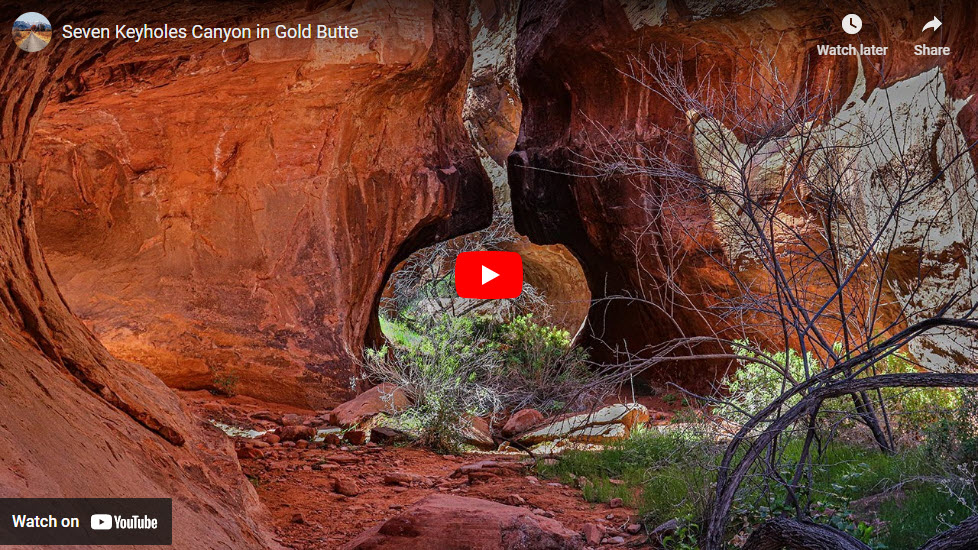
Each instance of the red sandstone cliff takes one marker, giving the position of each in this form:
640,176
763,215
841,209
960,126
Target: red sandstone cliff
236,163
575,59
74,421
226,213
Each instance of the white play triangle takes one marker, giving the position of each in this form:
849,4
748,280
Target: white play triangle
488,274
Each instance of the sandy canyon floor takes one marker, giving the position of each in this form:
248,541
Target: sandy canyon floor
297,482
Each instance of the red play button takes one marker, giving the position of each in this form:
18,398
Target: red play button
488,275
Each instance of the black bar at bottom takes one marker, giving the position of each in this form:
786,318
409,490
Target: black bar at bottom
86,521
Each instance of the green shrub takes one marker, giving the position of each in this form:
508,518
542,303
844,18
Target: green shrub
952,439
540,368
686,537
443,371
755,384
454,366
225,383
916,408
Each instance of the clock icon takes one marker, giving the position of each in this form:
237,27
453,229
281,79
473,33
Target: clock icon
852,23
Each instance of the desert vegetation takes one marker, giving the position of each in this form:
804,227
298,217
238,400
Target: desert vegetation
781,250
835,229
460,359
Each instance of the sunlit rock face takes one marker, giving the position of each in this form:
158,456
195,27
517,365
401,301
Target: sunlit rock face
226,213
635,235
880,152
77,422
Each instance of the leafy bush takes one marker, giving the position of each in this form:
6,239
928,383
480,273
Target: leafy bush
443,372
756,383
953,438
686,537
540,368
915,408
478,366
225,383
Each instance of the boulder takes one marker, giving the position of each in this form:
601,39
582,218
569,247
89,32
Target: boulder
592,534
292,419
266,415
295,433
449,522
476,433
346,487
611,423
356,437
250,453
385,398
522,421
332,439
382,435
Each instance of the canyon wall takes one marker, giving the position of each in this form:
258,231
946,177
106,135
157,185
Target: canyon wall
579,70
227,213
74,421
492,115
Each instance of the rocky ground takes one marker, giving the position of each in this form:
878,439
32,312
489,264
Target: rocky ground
327,494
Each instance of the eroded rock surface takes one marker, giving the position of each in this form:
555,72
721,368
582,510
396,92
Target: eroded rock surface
579,96
612,423
492,116
450,522
74,421
227,213
383,398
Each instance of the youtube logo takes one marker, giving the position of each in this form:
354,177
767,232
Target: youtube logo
101,522
488,275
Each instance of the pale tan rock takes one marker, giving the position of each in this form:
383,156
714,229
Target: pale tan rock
610,423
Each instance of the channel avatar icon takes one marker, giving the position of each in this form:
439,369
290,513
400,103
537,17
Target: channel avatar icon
489,275
32,32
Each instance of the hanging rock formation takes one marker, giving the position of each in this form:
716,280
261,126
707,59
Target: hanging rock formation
227,213
492,115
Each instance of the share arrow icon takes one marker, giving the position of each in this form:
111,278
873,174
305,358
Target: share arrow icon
934,23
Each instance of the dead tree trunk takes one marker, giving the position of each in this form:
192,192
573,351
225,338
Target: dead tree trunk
731,479
781,533
962,537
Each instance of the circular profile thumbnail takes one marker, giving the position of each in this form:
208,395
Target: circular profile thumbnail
32,32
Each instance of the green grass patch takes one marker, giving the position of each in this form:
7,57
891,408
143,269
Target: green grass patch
398,332
662,475
925,511
669,476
